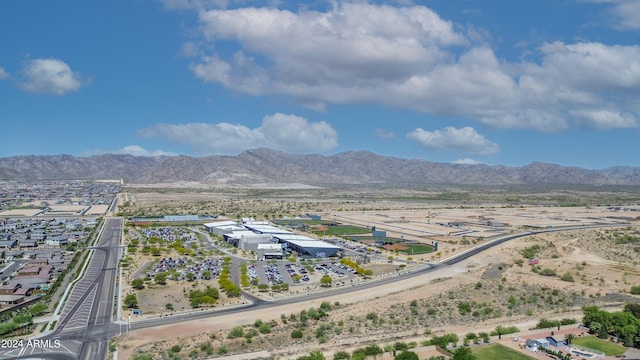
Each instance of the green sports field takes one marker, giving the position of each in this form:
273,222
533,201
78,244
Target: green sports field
416,249
340,230
303,221
595,343
497,351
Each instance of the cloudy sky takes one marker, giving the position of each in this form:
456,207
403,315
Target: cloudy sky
473,81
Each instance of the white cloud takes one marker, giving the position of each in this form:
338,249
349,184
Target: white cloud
384,134
50,76
3,74
279,131
191,49
626,14
294,133
411,58
353,46
463,141
606,119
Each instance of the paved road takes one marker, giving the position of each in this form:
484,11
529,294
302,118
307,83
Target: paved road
257,303
91,342
14,265
86,323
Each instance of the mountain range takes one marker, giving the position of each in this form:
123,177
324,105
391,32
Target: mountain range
269,167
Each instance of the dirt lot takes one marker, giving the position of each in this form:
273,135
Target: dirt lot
577,267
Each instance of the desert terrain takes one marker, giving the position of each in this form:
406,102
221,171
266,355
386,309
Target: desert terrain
497,287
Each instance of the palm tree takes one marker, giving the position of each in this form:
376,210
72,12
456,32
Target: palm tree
568,338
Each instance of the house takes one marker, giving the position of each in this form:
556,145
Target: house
7,244
60,240
13,293
11,299
535,345
73,225
555,342
38,234
10,288
16,254
28,243
30,269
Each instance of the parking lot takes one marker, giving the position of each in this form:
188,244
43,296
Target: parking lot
178,268
279,272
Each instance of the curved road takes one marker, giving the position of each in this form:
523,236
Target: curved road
93,340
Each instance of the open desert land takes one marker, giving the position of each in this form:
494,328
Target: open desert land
97,210
20,212
496,287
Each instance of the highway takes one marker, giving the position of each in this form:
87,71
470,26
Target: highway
86,323
90,341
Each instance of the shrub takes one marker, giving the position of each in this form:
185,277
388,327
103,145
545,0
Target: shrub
236,332
341,355
567,277
264,328
548,272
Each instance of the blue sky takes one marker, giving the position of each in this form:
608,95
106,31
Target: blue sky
475,81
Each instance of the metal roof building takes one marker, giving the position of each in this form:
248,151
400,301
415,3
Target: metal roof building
307,246
266,229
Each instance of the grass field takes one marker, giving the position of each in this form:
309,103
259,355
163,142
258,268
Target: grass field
342,230
372,238
303,221
497,351
416,249
606,346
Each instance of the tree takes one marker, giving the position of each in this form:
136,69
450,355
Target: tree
390,348
38,309
485,337
190,276
131,301
463,353
325,281
453,339
594,327
633,309
206,275
160,278
341,355
137,284
398,345
406,355
374,350
568,338
314,355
